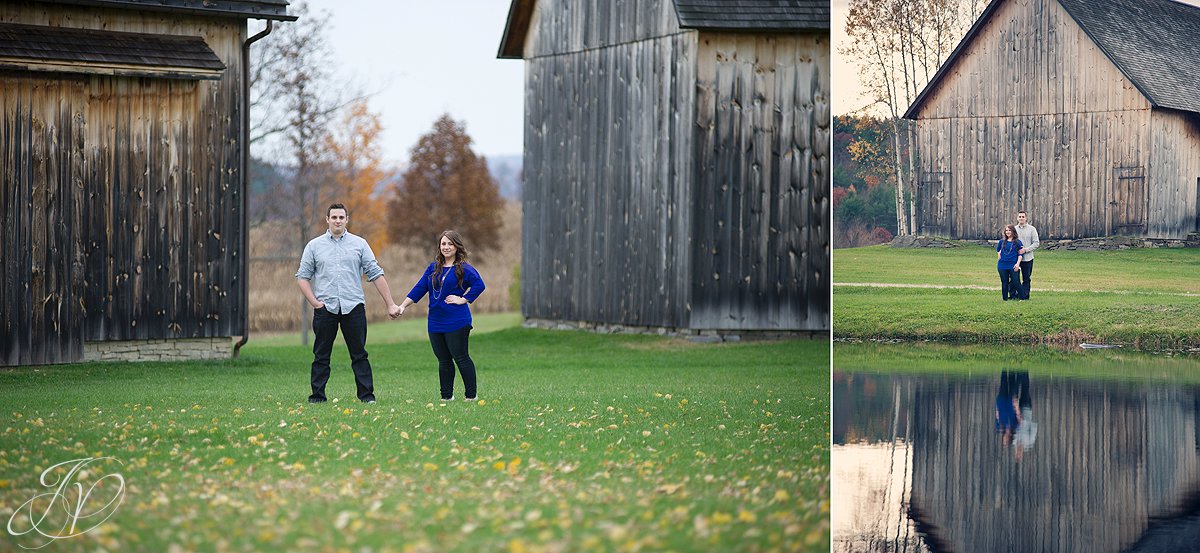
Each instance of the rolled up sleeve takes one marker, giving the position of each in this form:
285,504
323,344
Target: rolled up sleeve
308,264
370,266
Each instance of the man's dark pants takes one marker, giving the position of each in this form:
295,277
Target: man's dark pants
1026,272
354,331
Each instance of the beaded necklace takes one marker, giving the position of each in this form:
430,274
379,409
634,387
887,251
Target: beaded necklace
433,290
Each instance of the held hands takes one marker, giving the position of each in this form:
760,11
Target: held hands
394,311
456,300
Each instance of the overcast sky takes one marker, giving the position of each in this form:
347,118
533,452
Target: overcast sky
429,58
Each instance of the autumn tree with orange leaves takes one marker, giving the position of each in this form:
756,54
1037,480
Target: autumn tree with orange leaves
446,186
358,171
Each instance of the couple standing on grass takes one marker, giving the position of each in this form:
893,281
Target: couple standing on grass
330,277
1014,258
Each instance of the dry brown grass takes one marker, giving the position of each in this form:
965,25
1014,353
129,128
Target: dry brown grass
276,303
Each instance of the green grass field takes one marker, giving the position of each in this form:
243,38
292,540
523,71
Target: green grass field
1097,364
1143,298
581,442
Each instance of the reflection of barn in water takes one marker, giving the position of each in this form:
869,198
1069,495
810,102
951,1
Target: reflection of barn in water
1105,462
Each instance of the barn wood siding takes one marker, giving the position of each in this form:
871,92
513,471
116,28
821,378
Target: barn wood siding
565,26
154,206
40,206
1104,462
1174,174
1034,116
606,195
1061,168
760,220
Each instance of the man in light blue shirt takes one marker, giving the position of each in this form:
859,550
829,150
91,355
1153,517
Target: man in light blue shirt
330,277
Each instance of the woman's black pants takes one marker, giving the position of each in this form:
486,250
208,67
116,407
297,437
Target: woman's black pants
451,348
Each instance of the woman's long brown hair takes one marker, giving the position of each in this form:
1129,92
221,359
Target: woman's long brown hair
460,257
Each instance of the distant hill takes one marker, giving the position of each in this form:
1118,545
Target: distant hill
507,172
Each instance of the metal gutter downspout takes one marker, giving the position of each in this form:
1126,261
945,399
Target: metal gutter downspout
245,170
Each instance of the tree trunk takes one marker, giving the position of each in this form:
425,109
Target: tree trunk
902,228
305,323
912,176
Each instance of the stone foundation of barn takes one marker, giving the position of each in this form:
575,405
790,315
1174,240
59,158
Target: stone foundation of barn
183,349
692,334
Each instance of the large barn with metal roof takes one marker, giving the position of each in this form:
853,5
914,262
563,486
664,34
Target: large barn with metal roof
676,163
1085,114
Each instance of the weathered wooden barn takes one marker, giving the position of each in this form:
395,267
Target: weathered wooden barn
121,154
676,168
1086,114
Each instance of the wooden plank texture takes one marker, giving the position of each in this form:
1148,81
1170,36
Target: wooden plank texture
1034,116
123,198
760,222
1120,456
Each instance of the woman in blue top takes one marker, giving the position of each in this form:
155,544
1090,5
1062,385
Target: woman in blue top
1008,262
451,284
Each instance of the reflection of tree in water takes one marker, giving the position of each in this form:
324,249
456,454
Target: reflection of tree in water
1107,460
872,464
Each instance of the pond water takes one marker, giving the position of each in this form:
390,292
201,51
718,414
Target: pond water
1016,457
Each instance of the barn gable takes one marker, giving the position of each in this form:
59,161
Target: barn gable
1153,43
1054,106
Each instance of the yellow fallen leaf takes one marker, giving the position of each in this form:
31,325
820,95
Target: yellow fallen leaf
668,488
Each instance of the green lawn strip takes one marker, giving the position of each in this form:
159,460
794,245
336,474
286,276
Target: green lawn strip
1152,322
989,360
1149,270
583,442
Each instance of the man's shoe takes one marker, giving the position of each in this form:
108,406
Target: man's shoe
451,398
315,400
470,398
368,401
